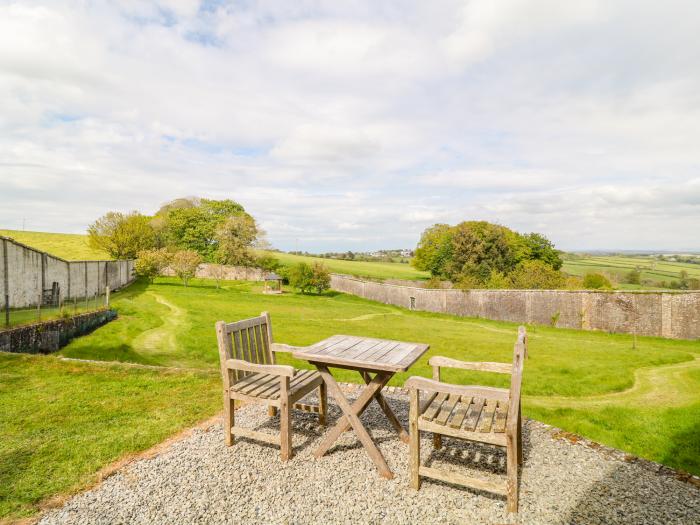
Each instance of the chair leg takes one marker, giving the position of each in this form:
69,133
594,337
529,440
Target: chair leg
520,438
437,441
512,473
229,417
414,440
285,421
322,404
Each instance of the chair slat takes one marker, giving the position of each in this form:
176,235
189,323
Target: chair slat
254,382
460,411
432,410
499,424
446,409
259,345
487,415
473,414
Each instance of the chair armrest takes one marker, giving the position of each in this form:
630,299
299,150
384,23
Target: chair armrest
484,366
274,370
430,385
281,347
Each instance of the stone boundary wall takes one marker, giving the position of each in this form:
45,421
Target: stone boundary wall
229,273
26,271
50,336
673,315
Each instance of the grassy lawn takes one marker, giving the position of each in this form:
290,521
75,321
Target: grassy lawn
584,382
61,422
69,246
374,270
620,266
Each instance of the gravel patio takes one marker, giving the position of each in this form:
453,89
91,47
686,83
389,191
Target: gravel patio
199,480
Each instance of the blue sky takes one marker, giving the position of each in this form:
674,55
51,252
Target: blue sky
357,126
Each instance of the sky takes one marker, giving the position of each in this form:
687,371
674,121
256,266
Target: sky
356,125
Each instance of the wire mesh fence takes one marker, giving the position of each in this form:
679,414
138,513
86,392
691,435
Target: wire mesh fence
56,309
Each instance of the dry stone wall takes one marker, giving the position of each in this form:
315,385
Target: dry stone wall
225,272
665,314
25,272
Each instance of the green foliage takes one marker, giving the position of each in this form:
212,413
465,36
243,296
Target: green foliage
433,283
434,250
633,277
596,281
121,235
150,263
300,277
321,277
479,254
184,264
200,225
536,275
306,278
267,262
235,235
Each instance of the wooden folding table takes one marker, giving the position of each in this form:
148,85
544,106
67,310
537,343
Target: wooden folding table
380,357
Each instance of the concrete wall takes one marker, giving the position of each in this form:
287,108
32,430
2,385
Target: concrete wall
228,273
666,314
25,272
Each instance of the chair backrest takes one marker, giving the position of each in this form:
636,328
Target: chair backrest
519,355
249,340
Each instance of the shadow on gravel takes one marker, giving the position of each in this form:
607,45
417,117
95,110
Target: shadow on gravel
626,497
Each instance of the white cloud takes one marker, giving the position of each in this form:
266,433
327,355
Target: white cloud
351,126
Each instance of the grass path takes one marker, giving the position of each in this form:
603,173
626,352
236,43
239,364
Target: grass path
162,340
666,385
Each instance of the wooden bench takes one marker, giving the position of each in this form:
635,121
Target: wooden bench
475,413
250,374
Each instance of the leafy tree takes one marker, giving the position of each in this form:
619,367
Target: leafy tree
633,277
184,264
434,250
320,277
596,281
499,281
192,224
537,275
300,276
538,247
480,248
150,263
235,236
267,262
121,235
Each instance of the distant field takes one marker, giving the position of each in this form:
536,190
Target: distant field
619,266
70,246
375,270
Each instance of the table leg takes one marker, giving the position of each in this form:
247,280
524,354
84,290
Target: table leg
351,418
381,400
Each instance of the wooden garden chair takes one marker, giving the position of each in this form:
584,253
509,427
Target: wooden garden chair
474,413
249,373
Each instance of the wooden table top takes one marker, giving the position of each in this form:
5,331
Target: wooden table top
363,353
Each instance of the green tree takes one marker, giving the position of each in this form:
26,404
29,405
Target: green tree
434,250
184,264
596,281
320,277
633,277
480,248
538,247
235,237
150,263
122,235
301,276
537,275
192,224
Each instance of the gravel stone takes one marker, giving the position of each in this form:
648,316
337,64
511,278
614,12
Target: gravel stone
200,480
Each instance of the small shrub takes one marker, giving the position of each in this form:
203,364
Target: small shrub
498,281
633,277
151,263
184,264
573,283
300,277
267,262
433,283
536,275
320,277
596,281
